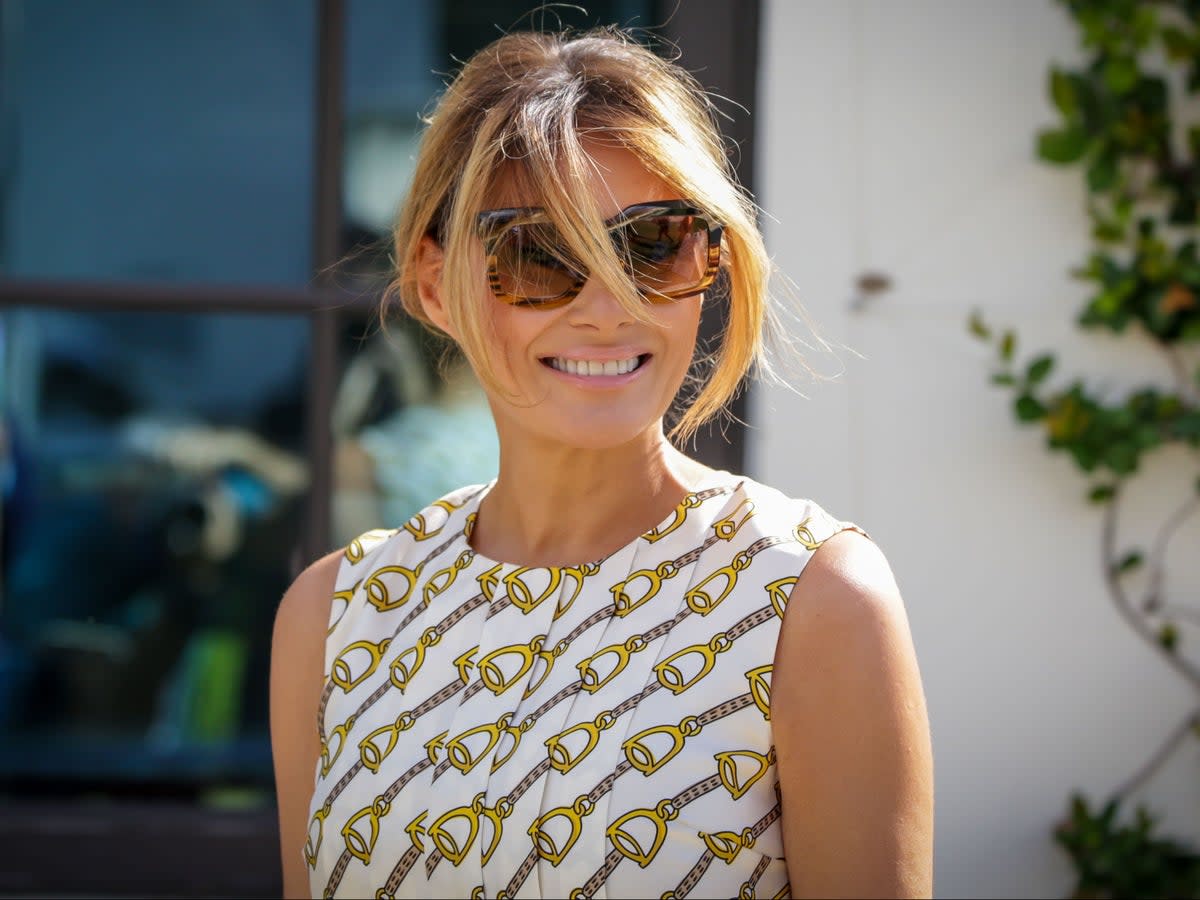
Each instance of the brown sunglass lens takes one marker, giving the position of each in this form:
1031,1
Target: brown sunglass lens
667,253
532,264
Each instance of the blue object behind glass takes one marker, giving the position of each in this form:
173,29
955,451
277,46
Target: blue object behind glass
159,141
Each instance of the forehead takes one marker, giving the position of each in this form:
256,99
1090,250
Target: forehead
616,179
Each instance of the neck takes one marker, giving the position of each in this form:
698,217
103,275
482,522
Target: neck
554,505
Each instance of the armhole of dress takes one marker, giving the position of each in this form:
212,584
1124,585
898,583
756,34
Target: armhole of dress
839,526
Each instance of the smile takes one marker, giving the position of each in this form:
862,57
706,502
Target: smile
592,368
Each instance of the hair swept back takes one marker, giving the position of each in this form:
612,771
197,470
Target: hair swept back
515,119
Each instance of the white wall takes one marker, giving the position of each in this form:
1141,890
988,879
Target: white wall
898,137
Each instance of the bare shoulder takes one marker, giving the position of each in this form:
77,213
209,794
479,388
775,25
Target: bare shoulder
307,602
847,582
851,731
297,679
846,626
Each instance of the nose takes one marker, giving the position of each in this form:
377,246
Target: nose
596,307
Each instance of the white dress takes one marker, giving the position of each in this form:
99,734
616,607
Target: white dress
600,730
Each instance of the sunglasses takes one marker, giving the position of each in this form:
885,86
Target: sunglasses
671,249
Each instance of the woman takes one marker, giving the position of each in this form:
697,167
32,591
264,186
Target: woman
579,679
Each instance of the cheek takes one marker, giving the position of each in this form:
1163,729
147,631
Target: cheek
512,331
681,323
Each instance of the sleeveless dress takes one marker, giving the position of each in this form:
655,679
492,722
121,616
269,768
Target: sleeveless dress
599,730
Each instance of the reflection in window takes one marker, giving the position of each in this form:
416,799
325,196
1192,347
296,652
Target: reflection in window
405,431
151,141
153,485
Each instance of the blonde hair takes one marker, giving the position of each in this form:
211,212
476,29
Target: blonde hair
517,116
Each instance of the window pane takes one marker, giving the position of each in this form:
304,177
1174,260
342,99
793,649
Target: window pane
157,141
153,482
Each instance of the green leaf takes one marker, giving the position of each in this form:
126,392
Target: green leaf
1102,493
1039,369
1177,43
978,327
1143,25
1062,92
1108,232
1062,146
1008,345
1129,562
1168,637
1028,409
1104,171
1121,74
1004,379
1121,457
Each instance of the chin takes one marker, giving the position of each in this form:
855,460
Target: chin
602,432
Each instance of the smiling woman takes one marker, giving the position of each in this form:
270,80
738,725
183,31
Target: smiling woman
583,677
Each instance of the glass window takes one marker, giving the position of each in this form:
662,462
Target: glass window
153,477
157,141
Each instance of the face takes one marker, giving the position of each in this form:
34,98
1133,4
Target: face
547,357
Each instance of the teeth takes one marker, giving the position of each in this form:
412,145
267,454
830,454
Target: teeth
593,367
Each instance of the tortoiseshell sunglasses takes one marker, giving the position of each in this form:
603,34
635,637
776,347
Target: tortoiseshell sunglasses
671,249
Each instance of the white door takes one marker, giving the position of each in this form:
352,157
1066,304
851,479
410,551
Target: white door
896,140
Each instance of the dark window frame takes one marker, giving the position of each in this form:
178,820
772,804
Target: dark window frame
159,842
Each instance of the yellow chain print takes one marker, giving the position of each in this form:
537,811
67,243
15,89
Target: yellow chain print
448,833
672,672
341,672
570,747
329,755
730,773
420,528
549,840
515,658
805,536
361,846
726,845
510,739
760,689
357,548
525,598
727,528
442,580
406,665
579,576
691,501
624,603
779,591
530,720
639,833
701,598
594,675
652,748
470,748
378,594
369,752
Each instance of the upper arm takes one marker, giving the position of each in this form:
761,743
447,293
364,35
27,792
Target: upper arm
297,679
851,732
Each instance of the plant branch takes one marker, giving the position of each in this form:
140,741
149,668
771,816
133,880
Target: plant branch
1120,598
1152,600
1160,756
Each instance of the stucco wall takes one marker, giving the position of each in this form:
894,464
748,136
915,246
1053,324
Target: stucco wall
899,138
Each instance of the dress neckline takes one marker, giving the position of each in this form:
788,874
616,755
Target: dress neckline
716,481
